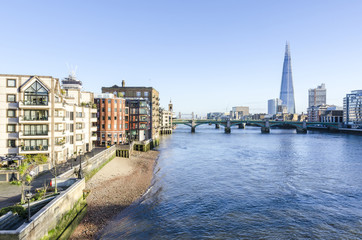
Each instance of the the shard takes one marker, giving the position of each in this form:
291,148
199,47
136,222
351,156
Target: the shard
286,89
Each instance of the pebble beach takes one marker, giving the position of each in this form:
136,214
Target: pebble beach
118,184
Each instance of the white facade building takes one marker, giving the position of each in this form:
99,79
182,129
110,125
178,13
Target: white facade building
317,96
40,117
273,106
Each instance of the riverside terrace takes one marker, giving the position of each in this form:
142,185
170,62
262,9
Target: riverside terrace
265,125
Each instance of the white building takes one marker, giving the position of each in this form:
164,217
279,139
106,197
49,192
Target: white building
166,119
40,117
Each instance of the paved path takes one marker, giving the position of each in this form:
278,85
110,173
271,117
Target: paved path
10,194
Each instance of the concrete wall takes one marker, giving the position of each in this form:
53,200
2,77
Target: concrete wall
48,217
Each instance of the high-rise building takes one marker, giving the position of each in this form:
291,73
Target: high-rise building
148,93
286,89
40,117
317,96
352,109
273,105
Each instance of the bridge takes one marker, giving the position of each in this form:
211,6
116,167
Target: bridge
265,125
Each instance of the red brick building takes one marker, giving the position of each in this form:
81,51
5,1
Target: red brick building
112,119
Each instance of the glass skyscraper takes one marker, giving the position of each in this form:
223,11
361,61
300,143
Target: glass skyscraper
286,89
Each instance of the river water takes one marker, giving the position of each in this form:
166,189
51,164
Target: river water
248,185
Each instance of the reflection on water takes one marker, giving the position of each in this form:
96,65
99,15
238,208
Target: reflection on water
247,185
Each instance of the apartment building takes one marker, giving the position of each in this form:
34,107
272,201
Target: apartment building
139,119
40,117
148,93
113,119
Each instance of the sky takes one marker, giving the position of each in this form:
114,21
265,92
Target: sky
204,55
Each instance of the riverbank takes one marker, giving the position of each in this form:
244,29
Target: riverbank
113,188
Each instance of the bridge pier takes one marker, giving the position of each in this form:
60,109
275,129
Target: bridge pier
217,126
228,126
193,129
241,126
265,129
301,130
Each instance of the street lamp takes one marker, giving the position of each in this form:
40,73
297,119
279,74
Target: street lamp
28,197
80,173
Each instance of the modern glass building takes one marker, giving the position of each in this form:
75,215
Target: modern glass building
286,89
352,109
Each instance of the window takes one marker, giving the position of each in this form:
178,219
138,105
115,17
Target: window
115,109
103,135
109,101
79,126
11,143
115,117
109,109
11,113
11,127
126,125
102,109
138,94
115,126
109,117
33,130
11,98
79,137
34,115
35,145
120,126
115,136
11,83
109,126
126,111
145,94
36,94
71,140
102,126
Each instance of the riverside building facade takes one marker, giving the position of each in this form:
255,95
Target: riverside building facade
40,117
148,93
352,109
113,119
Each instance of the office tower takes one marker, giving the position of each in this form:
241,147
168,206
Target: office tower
287,90
273,105
317,96
352,109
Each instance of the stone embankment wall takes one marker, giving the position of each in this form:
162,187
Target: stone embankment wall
48,217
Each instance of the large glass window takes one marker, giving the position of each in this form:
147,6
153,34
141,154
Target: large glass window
35,145
138,94
35,115
33,130
36,94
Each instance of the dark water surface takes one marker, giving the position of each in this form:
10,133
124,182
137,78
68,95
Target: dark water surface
248,185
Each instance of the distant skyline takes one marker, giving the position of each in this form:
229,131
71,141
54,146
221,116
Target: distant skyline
207,56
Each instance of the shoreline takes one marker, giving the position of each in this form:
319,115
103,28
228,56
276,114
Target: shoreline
115,187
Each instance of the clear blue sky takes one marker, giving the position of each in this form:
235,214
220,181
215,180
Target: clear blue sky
205,55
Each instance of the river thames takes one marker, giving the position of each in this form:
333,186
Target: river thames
248,185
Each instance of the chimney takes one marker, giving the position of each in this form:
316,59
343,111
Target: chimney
123,83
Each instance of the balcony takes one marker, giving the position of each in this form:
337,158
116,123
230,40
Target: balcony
33,149
33,134
94,129
59,133
37,120
59,119
27,105
59,105
94,138
93,110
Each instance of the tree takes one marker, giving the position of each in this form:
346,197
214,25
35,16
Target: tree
25,168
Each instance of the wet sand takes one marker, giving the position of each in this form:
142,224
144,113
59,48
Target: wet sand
113,188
